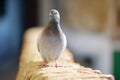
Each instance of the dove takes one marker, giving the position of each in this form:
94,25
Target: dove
52,42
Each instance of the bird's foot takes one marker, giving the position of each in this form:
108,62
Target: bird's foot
56,65
43,64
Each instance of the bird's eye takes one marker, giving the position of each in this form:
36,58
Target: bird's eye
54,13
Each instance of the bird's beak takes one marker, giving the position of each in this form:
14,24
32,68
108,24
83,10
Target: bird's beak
50,14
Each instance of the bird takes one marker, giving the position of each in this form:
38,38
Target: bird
52,41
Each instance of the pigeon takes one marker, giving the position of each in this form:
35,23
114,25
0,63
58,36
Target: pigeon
52,42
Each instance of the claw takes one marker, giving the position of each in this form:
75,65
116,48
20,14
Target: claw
57,65
43,64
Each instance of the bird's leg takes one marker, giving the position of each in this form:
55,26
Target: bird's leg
56,64
43,64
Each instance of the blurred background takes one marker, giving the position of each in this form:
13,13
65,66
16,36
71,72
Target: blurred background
92,28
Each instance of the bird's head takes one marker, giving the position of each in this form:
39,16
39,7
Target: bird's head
54,15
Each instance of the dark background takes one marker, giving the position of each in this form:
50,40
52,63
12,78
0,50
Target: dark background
15,17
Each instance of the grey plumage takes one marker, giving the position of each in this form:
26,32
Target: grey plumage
52,41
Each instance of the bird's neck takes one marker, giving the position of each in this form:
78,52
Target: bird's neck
54,26
55,20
